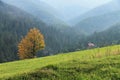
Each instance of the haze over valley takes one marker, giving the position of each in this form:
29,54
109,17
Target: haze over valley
61,30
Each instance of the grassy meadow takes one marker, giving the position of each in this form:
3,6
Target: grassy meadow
94,64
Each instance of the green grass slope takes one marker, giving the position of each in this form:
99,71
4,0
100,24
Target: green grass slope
94,64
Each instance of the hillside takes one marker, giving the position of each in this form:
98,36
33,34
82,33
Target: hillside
107,37
112,6
98,23
99,63
110,36
98,19
40,10
13,26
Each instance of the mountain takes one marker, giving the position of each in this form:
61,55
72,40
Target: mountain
98,23
40,10
13,26
103,9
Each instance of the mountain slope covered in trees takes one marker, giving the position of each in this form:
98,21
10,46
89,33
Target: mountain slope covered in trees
112,6
99,18
13,26
98,23
111,36
40,10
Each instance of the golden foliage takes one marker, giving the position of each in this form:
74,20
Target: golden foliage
30,44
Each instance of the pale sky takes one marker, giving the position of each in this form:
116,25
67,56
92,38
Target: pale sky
82,3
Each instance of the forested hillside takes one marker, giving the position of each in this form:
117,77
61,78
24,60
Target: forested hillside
98,23
107,8
40,10
13,26
107,37
40,41
98,18
110,36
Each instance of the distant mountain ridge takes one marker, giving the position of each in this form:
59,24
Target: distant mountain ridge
98,19
98,23
101,10
40,10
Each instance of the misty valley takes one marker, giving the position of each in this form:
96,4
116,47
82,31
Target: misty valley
59,40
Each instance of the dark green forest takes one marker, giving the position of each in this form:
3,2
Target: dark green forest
13,26
60,37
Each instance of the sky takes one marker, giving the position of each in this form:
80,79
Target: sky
76,7
83,3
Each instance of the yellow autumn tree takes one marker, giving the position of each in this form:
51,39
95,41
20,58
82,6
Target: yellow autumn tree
31,44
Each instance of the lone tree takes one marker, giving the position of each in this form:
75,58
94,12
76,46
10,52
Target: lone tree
30,44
